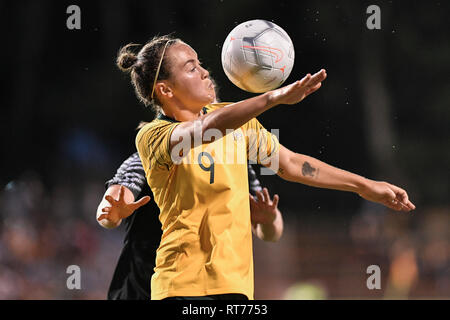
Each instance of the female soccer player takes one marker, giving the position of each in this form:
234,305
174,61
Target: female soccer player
206,245
133,272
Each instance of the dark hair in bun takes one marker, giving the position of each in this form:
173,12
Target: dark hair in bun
143,66
126,58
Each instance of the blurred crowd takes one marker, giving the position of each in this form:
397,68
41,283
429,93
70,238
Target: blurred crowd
320,256
324,256
43,232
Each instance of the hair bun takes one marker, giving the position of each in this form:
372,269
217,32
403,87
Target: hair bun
126,59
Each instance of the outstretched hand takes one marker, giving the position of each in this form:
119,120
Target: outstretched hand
263,210
389,195
120,209
297,91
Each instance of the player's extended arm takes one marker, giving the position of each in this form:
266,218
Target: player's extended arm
117,204
267,222
310,171
237,114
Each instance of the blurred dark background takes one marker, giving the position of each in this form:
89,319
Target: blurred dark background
69,117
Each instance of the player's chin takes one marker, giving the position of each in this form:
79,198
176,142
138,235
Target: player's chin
208,98
201,100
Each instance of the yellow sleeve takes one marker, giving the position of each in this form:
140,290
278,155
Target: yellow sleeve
153,144
261,144
218,105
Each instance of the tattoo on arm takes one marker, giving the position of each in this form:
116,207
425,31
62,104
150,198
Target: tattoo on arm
308,170
281,171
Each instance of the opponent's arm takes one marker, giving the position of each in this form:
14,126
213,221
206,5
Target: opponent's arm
126,185
267,222
237,114
307,170
117,204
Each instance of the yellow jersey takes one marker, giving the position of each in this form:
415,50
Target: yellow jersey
206,244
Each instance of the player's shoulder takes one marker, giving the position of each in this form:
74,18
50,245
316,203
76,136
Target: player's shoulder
155,123
152,127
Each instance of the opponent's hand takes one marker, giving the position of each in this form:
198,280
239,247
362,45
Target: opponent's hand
389,195
120,209
263,211
297,91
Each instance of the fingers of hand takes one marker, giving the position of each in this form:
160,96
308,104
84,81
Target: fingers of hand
402,198
144,200
408,206
322,74
392,204
102,216
260,196
400,194
121,192
141,202
397,205
313,89
304,81
106,209
276,198
110,199
266,196
312,83
317,78
390,197
411,205
319,75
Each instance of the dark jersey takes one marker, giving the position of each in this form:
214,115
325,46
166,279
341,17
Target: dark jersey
132,276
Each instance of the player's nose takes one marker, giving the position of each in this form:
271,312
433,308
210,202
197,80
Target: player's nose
205,73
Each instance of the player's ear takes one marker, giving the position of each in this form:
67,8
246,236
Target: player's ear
164,89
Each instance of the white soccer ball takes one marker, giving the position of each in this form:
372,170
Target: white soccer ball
258,56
